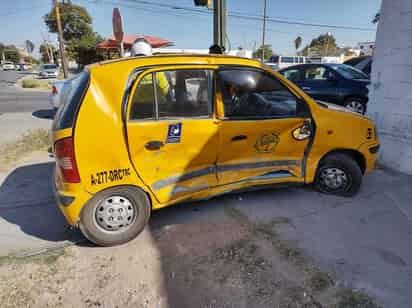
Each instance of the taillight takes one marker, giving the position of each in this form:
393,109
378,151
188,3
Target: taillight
64,151
54,89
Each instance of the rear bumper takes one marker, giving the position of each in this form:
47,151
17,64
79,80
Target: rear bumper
70,199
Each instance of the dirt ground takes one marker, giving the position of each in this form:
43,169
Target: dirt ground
216,263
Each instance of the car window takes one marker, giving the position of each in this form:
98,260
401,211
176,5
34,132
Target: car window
349,72
293,74
70,96
49,67
143,101
179,93
317,73
288,59
251,94
184,93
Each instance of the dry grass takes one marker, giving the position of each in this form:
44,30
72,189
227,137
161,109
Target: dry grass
34,140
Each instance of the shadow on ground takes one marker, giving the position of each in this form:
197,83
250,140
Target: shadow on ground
44,113
27,201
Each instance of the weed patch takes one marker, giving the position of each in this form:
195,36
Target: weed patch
34,140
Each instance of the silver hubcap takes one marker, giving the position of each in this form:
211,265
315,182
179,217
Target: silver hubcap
356,107
115,213
334,178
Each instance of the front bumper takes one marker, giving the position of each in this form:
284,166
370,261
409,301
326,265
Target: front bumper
70,198
370,151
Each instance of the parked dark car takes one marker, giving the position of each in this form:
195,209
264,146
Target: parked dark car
363,64
334,83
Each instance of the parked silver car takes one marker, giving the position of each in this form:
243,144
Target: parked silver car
48,71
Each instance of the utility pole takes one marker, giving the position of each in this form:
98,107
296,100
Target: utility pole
327,43
61,42
264,30
219,23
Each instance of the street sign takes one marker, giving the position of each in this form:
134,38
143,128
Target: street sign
117,25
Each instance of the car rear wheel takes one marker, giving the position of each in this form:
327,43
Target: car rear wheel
115,216
338,174
356,105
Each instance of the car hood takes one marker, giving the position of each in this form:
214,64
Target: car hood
364,82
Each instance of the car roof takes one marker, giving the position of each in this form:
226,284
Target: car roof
192,59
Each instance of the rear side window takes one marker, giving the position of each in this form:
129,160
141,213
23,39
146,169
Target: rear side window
70,96
143,101
293,75
177,94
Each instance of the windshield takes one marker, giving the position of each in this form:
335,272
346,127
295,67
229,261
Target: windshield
49,66
348,71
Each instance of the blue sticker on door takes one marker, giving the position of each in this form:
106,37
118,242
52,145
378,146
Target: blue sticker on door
174,133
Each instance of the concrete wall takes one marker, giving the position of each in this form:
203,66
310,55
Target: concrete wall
390,99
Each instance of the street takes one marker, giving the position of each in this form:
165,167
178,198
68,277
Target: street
13,99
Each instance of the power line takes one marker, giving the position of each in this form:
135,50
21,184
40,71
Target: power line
253,17
178,14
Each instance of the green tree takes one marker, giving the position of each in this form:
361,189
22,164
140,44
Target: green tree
78,33
83,50
298,43
323,45
266,49
11,53
76,21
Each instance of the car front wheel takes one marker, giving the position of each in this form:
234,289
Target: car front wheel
115,216
338,174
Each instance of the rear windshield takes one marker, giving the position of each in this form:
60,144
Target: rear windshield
49,67
70,98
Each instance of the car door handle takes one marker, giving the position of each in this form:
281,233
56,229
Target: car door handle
154,145
239,138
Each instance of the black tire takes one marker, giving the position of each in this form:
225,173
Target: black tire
97,234
358,100
343,163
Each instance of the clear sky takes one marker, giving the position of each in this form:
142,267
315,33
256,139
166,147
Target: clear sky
23,19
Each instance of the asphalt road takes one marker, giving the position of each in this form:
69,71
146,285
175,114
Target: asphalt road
13,99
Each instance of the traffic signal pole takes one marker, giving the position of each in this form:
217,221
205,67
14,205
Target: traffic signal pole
219,23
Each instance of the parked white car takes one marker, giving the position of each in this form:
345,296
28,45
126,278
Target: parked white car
48,71
279,62
8,66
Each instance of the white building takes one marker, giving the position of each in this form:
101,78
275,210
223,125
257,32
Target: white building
390,99
366,48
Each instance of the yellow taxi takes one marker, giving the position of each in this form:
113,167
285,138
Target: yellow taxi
139,134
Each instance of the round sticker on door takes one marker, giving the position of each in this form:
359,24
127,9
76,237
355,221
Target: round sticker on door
267,143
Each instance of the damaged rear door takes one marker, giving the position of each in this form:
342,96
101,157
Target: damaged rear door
171,131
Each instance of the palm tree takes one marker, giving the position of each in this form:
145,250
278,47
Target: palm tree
298,42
